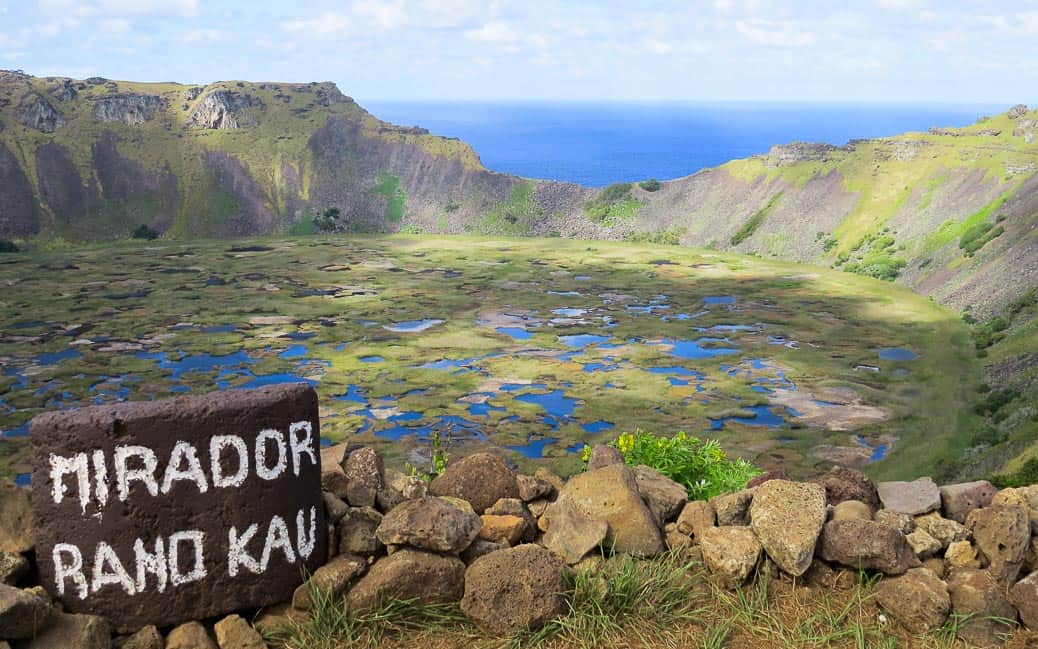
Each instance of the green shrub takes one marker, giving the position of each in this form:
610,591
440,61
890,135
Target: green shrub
978,236
8,246
701,466
650,185
145,232
750,226
411,228
612,203
1023,477
329,221
670,237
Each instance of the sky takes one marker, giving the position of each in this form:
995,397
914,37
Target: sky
939,51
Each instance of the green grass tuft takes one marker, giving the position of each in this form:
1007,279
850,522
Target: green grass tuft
750,226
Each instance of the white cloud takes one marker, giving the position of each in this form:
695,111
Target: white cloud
115,25
900,5
773,33
185,8
496,33
364,18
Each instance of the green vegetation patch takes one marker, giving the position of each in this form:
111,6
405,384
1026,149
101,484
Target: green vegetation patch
874,257
612,204
978,236
389,187
750,226
513,217
669,237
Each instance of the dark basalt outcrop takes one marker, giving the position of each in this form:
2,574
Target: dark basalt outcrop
129,108
37,113
226,110
65,91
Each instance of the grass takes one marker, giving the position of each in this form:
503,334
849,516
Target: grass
612,204
619,602
750,226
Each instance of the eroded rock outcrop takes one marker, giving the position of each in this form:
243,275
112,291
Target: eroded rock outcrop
130,108
36,112
225,110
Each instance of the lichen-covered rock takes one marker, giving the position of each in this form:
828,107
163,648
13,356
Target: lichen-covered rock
532,488
923,544
572,533
130,108
233,632
190,635
851,509
733,509
610,494
664,497
917,497
602,456
513,590
430,524
976,595
696,518
399,487
13,567
904,523
65,631
961,554
410,574
1024,596
334,482
867,545
918,600
225,110
842,484
958,500
480,478
1001,533
787,517
730,553
357,531
502,528
944,530
543,473
333,579
22,613
516,507
334,507
37,113
17,532
365,476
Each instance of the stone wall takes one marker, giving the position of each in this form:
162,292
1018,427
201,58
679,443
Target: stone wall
500,543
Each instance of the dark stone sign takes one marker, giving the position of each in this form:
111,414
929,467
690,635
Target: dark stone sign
165,511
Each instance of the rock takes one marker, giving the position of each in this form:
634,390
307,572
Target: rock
867,545
516,507
610,494
130,108
37,113
730,553
531,488
365,477
431,524
961,554
13,567
733,509
225,110
842,484
851,510
332,579
603,456
543,473
357,531
65,631
664,497
537,507
778,474
17,533
787,518
918,600
233,632
572,533
976,594
514,590
334,507
399,487
22,613
1001,533
944,530
331,456
410,574
335,483
190,635
145,638
675,539
507,529
913,498
65,91
1017,111
696,518
273,619
904,523
958,500
480,548
923,544
481,479
1024,596
936,566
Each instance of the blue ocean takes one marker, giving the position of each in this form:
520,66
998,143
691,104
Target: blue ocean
596,144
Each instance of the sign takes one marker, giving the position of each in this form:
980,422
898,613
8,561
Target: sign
181,509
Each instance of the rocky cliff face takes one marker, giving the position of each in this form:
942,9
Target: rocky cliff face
37,113
224,109
129,108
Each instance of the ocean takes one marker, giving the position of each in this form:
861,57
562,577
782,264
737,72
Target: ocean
597,144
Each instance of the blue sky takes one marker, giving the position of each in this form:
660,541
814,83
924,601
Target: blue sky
870,50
